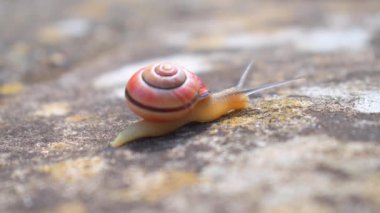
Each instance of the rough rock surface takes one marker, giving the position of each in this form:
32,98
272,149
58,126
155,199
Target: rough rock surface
310,147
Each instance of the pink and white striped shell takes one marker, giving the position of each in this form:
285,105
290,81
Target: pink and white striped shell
164,92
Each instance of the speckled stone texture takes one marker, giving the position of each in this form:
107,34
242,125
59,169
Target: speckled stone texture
313,146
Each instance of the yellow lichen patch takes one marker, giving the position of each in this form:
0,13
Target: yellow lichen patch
267,13
170,183
371,188
156,186
213,131
91,9
63,30
55,108
73,171
69,207
289,103
76,118
58,146
51,35
272,111
207,43
238,121
11,88
298,206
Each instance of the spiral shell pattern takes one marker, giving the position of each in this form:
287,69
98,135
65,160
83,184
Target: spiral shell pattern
164,92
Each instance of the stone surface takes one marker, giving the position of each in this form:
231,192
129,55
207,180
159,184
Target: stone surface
309,147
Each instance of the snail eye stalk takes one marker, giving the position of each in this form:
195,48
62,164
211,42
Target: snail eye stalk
263,87
244,76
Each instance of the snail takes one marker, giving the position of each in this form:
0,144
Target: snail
168,96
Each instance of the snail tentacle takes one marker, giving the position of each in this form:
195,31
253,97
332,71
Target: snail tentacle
244,76
261,88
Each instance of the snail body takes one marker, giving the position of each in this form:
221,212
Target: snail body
168,96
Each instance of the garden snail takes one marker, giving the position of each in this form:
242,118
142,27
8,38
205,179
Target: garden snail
168,96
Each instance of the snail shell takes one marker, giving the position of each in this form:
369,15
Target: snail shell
164,92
